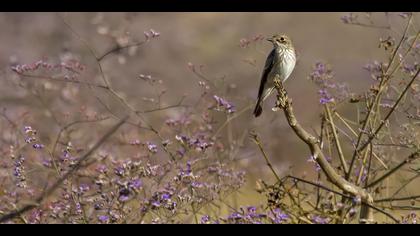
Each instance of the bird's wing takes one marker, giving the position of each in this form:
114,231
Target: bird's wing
267,68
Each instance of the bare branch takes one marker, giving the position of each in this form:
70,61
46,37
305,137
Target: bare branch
257,140
336,140
119,48
407,160
382,84
284,103
382,123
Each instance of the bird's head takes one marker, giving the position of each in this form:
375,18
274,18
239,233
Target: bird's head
280,40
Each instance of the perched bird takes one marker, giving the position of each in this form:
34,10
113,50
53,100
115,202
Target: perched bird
281,61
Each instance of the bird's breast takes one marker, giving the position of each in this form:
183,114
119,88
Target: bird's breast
284,65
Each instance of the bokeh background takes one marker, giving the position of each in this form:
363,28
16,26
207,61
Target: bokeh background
211,40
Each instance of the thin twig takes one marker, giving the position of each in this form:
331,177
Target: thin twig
119,48
382,123
407,160
392,199
343,195
336,140
257,140
382,83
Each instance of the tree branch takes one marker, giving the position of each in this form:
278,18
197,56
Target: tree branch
284,103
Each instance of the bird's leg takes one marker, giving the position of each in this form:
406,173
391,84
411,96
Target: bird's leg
282,98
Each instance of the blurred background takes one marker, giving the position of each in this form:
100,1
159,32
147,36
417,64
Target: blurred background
210,41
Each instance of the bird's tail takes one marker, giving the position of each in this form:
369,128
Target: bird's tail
258,108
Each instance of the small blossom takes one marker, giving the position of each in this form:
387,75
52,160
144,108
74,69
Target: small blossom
320,220
135,142
278,216
38,146
84,188
47,163
136,184
154,33
205,219
103,218
312,160
152,147
19,172
222,104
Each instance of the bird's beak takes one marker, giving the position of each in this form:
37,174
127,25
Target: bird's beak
270,39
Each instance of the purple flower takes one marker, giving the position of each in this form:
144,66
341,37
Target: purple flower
235,216
35,216
152,147
119,171
324,101
123,198
101,169
136,184
278,216
205,219
251,209
222,104
154,33
28,129
156,204
47,163
320,220
325,97
151,34
84,188
29,140
79,209
376,68
196,184
312,159
103,218
124,194
19,172
188,170
165,196
329,90
38,146
410,69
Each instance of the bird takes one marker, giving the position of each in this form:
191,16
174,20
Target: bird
281,61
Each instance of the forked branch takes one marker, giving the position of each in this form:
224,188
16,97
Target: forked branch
284,103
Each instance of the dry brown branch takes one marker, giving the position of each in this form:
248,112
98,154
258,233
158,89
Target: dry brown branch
284,103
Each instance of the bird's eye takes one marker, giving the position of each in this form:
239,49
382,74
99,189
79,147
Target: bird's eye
281,39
